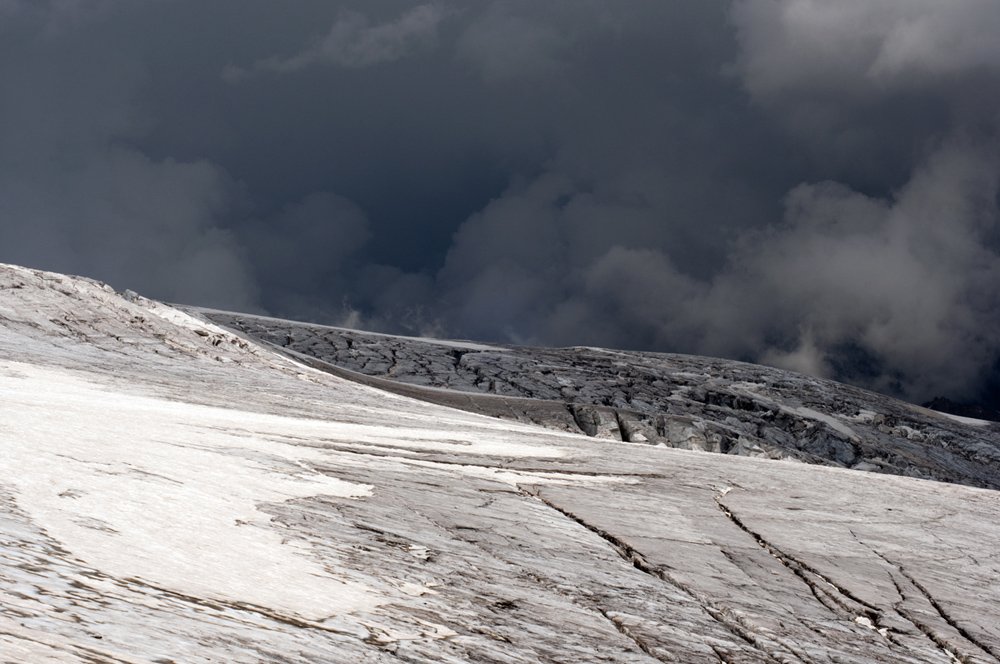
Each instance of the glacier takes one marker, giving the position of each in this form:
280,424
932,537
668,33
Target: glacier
174,488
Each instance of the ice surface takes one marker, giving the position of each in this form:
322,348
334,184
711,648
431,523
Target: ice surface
172,492
166,492
660,399
971,421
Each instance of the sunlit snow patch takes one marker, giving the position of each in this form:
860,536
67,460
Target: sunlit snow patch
159,491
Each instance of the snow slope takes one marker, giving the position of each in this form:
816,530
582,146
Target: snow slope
172,492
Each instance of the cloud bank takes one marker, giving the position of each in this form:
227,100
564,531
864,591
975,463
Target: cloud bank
803,183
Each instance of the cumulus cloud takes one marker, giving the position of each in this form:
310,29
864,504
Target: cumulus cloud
895,292
890,289
885,280
907,281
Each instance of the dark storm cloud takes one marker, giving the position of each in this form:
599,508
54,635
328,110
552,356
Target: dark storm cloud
75,193
904,274
810,184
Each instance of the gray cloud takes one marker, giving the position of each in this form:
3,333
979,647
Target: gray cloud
76,196
908,280
862,47
803,183
306,249
353,42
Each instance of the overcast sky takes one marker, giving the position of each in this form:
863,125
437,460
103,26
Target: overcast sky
807,183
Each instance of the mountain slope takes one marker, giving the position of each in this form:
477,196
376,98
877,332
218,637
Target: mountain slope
170,491
674,400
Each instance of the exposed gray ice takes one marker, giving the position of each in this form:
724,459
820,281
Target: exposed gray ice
678,401
172,491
